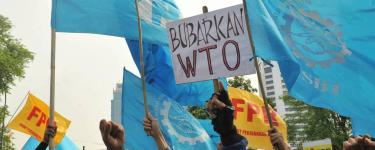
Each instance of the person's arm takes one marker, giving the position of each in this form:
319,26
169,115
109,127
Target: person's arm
112,135
42,146
359,142
160,141
152,128
277,140
222,102
50,132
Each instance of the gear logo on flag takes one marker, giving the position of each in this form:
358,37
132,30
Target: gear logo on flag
314,40
179,125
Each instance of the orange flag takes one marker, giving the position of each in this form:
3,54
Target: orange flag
34,118
251,118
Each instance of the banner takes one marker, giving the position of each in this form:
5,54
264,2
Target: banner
114,17
325,50
34,118
180,129
251,119
324,144
211,45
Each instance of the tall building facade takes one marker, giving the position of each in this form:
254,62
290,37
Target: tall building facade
274,87
116,104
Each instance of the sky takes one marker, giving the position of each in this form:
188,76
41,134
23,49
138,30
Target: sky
87,67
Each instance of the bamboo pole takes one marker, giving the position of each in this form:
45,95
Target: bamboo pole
142,59
259,75
52,85
215,81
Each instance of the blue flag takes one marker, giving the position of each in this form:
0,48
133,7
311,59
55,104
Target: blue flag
362,127
207,125
66,144
325,50
179,127
114,17
159,73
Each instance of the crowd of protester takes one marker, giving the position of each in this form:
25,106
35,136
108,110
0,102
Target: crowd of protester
221,111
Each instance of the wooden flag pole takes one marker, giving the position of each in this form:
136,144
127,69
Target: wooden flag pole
52,85
215,81
259,75
142,59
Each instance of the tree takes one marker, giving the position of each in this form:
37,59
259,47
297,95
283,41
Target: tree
198,112
13,60
13,57
245,84
317,123
241,83
8,145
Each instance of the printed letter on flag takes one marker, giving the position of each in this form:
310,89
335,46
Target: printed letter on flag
33,118
251,118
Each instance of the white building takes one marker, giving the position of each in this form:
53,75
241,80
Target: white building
116,104
274,87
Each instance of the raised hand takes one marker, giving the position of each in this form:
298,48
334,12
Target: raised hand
277,139
49,133
112,134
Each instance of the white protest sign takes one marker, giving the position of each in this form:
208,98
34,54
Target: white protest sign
211,45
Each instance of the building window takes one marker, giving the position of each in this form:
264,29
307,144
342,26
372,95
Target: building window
284,87
270,88
267,70
270,93
269,76
269,82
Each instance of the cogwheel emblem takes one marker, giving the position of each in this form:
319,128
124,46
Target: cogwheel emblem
181,126
312,39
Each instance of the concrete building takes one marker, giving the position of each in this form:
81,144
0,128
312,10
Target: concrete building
116,104
275,89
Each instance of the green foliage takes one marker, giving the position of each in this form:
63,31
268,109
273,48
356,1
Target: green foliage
13,56
8,145
198,112
317,123
271,102
241,83
13,60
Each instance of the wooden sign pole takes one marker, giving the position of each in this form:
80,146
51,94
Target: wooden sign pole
215,81
144,90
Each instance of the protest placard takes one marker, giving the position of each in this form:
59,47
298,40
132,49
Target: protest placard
211,45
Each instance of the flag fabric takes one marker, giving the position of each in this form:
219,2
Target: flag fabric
250,118
207,125
114,17
159,73
324,50
34,117
66,144
362,127
180,129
